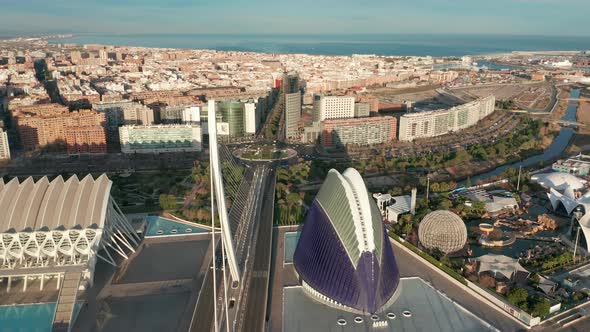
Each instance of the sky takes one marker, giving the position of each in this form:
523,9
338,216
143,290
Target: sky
513,17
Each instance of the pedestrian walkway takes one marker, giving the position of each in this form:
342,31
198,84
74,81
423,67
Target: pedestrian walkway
66,302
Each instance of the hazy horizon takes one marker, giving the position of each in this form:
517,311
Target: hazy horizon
500,17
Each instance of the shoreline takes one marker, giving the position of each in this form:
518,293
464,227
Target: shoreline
382,45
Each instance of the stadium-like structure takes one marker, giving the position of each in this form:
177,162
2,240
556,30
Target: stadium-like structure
48,227
343,256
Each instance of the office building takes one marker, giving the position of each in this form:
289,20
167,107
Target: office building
358,131
292,115
343,256
435,123
293,101
332,107
232,113
4,147
160,138
56,128
250,118
243,118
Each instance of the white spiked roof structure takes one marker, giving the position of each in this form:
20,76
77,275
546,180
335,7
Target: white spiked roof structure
44,205
60,223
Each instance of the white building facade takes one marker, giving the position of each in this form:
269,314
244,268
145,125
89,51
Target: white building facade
333,107
4,147
160,138
435,123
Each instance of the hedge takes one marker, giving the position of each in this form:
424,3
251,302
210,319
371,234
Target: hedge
430,259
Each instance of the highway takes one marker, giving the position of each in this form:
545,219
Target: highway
254,309
252,288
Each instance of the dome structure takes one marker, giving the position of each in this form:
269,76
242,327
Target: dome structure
442,230
343,256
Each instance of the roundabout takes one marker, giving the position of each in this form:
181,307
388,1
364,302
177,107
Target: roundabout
264,153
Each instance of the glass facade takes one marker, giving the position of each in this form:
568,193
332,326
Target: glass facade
233,114
160,138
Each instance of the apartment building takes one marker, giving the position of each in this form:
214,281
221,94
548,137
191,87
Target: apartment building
81,131
435,123
358,131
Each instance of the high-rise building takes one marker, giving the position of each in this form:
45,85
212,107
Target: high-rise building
292,115
60,129
292,106
4,147
359,131
160,138
332,107
343,256
435,123
250,118
232,113
291,83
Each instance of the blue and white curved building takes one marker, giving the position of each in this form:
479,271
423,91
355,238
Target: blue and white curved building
343,256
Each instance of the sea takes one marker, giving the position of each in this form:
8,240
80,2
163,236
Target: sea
379,44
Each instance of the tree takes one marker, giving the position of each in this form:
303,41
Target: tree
468,182
408,227
518,296
167,202
540,307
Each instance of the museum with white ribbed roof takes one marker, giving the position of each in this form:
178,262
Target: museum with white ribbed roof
49,227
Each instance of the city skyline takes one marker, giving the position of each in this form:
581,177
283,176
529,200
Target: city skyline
504,17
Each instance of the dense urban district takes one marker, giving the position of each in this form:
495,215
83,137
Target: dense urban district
116,163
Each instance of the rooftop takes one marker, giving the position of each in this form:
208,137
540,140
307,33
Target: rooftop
419,307
44,205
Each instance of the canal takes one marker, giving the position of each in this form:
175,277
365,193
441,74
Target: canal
559,144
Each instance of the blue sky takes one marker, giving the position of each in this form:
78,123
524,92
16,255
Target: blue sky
519,17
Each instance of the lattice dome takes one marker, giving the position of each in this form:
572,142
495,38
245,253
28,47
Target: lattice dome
443,230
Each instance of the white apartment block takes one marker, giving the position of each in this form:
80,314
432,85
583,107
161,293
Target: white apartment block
332,107
4,148
191,114
435,123
250,117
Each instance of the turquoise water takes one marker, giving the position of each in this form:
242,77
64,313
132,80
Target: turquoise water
29,317
291,239
381,44
158,226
